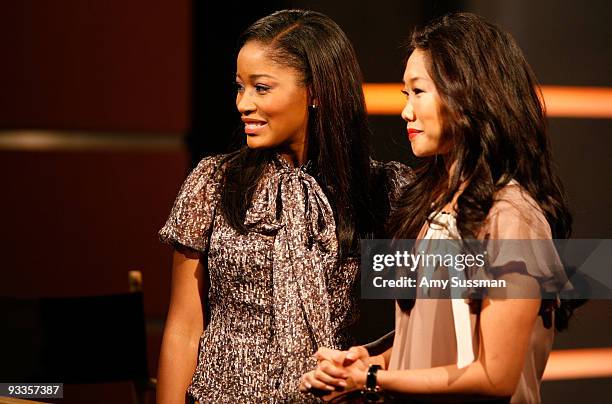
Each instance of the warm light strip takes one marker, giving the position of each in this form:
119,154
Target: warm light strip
384,98
566,102
578,102
10,400
48,140
579,364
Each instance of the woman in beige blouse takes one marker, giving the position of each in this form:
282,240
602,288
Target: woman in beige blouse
474,115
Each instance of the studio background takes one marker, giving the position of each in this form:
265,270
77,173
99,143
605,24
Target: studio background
105,106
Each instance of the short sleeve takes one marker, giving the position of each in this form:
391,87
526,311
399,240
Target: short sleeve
192,215
519,240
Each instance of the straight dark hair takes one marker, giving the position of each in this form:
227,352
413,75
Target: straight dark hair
493,115
338,133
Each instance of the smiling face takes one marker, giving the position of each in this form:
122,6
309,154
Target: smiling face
422,110
272,101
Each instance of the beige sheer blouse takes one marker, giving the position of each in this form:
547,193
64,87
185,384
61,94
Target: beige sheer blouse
428,335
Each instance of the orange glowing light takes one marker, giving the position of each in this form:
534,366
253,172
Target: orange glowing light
567,102
579,364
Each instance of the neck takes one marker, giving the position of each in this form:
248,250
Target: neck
295,154
292,159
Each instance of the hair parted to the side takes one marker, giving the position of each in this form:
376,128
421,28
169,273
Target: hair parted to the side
492,113
338,133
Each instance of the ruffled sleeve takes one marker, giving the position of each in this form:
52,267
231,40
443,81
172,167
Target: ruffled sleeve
192,215
519,240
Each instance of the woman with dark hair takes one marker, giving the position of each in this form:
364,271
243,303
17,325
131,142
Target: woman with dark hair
474,115
266,238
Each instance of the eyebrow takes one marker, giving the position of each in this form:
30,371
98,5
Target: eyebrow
413,79
257,76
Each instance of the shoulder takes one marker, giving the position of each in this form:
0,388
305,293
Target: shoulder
208,172
515,214
192,214
514,200
211,166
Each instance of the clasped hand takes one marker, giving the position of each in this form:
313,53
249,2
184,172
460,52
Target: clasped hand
337,372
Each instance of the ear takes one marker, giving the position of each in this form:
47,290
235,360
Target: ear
313,102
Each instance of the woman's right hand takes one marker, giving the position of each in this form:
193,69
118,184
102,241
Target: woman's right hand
330,373
343,358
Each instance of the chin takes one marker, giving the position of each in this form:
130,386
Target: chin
423,151
420,153
256,142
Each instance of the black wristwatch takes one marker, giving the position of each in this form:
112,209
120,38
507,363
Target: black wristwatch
371,391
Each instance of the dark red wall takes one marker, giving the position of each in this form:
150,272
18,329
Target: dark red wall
75,222
106,65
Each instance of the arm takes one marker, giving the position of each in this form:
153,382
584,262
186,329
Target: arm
505,332
184,326
506,327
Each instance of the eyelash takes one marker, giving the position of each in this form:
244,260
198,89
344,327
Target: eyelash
416,91
259,88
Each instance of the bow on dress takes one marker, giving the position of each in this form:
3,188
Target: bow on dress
291,205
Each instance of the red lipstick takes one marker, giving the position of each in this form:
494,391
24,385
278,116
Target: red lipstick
412,133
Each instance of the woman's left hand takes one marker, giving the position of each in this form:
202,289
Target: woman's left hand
330,380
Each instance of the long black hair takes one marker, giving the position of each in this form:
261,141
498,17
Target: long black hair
493,115
338,133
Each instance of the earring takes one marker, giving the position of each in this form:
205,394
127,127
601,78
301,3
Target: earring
313,106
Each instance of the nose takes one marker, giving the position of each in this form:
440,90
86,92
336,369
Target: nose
408,112
245,104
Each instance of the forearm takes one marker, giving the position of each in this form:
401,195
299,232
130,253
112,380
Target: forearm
470,381
184,326
177,362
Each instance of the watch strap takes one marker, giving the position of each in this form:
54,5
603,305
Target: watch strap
370,383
